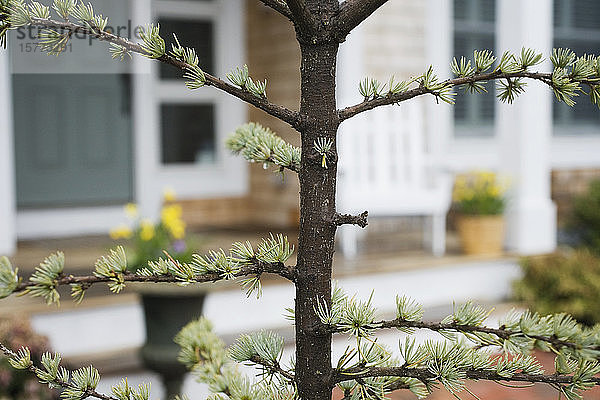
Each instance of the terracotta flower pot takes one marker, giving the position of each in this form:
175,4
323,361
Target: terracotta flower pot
481,234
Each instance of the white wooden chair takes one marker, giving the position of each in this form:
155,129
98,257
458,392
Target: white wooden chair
388,168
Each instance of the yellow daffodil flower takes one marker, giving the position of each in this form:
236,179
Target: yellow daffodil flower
479,192
121,232
146,230
169,195
177,229
171,213
131,210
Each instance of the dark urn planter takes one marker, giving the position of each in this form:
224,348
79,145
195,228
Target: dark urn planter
166,311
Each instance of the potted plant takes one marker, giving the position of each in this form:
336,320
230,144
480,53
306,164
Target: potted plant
148,241
166,309
479,200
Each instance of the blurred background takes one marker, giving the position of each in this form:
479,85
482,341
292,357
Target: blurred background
95,152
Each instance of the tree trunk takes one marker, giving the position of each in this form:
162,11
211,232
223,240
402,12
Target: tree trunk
317,232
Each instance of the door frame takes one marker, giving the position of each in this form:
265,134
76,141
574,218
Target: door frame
228,176
8,239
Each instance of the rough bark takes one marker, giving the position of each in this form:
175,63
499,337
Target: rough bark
317,197
317,231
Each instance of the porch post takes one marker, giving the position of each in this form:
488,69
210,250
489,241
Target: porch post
439,35
439,120
525,131
145,122
8,236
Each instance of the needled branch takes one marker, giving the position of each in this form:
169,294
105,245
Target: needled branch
272,367
291,117
353,12
348,219
501,333
68,387
278,6
258,268
397,98
259,144
424,375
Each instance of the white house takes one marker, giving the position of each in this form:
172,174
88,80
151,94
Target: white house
75,147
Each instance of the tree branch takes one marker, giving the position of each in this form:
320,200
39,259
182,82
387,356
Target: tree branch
353,12
272,367
388,99
343,219
499,332
288,272
423,374
278,6
64,385
302,17
293,118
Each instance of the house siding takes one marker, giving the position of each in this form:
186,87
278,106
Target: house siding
394,40
272,201
273,54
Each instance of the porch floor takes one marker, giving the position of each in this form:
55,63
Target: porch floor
381,251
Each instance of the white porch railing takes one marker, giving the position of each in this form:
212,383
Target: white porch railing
387,167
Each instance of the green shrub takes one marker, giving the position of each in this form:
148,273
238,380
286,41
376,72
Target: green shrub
567,281
585,219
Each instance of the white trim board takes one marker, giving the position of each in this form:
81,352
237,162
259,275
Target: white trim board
228,175
566,152
7,194
34,224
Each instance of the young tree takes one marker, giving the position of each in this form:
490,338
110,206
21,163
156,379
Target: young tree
368,370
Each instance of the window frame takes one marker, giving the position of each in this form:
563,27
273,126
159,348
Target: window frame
173,91
475,125
227,176
478,127
569,125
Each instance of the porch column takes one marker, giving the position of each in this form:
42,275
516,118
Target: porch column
439,120
8,236
525,131
439,35
145,120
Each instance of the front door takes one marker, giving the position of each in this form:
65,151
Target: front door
72,122
72,139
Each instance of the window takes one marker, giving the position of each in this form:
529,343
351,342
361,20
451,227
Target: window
577,27
188,126
184,138
474,29
179,133
196,34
